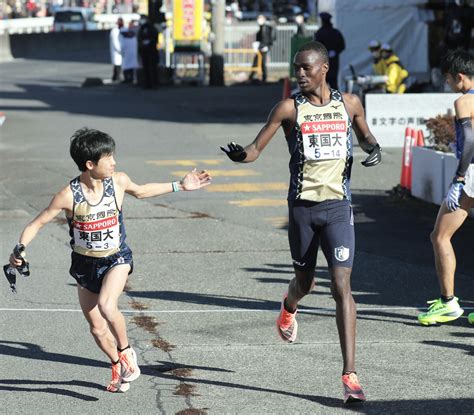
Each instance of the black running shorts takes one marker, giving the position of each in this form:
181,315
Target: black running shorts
329,223
89,272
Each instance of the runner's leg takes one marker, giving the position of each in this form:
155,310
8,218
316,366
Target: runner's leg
345,314
447,223
98,325
301,285
112,286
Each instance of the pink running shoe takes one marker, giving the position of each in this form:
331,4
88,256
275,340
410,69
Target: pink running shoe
130,369
352,390
287,327
116,384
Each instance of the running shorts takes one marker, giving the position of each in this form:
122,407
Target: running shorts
329,224
469,179
89,272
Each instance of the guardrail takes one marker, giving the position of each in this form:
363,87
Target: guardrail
45,24
242,36
31,25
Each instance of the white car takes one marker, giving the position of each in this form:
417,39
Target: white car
74,19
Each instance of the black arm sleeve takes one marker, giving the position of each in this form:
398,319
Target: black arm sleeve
468,149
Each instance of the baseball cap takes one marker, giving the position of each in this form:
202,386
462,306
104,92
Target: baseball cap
374,44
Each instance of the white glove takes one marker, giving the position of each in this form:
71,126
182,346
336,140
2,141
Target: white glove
453,196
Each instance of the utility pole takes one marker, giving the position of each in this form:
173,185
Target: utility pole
216,72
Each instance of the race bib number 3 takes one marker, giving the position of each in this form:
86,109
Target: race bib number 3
324,140
99,235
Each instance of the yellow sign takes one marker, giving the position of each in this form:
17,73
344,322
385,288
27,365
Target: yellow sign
187,20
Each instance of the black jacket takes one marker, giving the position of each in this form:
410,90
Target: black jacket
265,35
147,38
331,38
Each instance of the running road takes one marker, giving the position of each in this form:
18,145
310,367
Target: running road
211,266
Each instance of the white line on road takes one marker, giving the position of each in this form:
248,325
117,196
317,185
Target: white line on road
232,310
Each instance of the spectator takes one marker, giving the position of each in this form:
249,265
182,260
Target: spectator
300,26
334,42
395,71
265,38
147,43
115,50
459,21
129,48
378,64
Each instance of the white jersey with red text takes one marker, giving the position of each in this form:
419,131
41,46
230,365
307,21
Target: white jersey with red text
96,230
320,146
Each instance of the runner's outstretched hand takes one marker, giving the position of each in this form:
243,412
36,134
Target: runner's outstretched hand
194,180
374,157
235,152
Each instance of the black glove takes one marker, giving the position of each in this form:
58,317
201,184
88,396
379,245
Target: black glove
235,152
23,269
374,158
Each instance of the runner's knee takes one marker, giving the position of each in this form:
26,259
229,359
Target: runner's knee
107,308
438,238
304,281
340,284
99,331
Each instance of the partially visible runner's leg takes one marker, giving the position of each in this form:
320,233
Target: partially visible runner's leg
112,287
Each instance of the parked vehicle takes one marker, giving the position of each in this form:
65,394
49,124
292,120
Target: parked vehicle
74,19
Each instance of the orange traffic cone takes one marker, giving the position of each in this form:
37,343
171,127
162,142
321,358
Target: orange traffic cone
286,88
420,140
413,143
405,158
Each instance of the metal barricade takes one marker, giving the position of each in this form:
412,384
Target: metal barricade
242,36
243,60
188,66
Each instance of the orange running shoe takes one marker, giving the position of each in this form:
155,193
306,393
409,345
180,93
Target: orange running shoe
130,369
287,327
352,390
116,384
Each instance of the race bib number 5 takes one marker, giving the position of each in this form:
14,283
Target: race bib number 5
99,235
324,140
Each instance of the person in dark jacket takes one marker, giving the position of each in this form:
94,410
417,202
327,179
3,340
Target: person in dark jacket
147,42
334,42
265,36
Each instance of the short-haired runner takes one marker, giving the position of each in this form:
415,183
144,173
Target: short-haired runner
101,260
458,66
318,123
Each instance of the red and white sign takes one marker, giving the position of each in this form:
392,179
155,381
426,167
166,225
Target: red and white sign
96,225
319,127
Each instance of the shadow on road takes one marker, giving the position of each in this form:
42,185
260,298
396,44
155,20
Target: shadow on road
411,406
229,105
6,385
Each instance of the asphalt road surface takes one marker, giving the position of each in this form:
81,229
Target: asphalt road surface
211,266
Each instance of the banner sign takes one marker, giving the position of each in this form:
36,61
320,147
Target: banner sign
389,114
187,21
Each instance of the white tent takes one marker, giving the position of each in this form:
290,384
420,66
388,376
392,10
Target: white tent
399,23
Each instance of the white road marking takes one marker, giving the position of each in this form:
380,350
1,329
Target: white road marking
232,310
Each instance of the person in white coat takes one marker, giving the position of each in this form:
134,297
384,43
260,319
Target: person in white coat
129,47
115,50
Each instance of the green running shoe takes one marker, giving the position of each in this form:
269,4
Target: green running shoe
470,318
440,312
